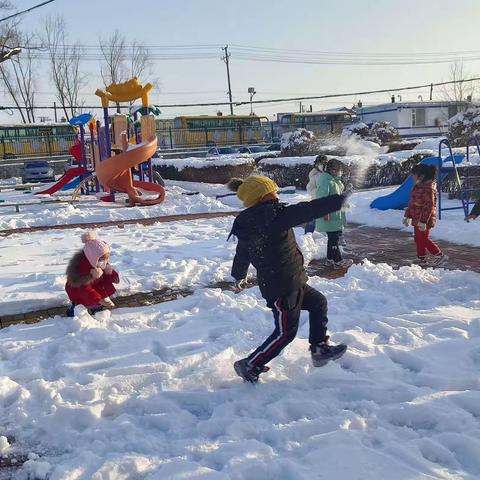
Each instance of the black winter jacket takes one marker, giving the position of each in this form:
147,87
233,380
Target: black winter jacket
266,240
476,209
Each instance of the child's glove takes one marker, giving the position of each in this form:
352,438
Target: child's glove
96,273
108,270
422,226
407,221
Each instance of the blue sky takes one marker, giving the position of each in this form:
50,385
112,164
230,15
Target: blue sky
365,26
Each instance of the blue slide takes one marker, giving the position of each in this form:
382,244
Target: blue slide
73,184
398,199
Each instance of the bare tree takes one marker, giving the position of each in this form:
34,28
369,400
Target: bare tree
19,77
65,62
140,62
460,90
17,72
113,68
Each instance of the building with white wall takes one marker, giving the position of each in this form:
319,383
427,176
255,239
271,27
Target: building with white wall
413,119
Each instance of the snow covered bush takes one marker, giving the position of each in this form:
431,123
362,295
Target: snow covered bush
378,132
299,143
463,126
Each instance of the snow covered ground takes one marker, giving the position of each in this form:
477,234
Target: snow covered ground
150,393
452,227
177,254
92,210
163,255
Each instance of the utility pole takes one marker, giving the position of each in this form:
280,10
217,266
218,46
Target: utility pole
225,59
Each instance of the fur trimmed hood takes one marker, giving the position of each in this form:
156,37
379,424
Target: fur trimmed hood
76,267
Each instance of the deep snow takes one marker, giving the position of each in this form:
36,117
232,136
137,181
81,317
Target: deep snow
149,393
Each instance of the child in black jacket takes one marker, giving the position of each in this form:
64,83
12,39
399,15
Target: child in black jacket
266,240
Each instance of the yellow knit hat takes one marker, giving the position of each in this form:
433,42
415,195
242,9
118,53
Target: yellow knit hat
254,188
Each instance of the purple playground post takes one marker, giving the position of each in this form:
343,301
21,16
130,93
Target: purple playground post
84,154
102,147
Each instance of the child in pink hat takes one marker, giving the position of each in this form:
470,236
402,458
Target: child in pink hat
90,277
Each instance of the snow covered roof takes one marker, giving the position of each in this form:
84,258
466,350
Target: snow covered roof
425,104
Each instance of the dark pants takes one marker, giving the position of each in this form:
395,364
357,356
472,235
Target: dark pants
333,249
310,227
286,313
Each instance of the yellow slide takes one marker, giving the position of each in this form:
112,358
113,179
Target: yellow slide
115,173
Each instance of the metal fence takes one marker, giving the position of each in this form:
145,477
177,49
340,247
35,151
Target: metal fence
43,145
172,138
205,137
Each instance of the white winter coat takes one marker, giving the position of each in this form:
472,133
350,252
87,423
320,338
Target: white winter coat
313,182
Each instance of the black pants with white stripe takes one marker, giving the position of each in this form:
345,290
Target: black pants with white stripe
286,312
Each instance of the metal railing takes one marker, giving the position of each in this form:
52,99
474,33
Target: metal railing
42,145
168,139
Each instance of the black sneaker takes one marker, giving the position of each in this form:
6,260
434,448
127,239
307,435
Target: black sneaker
323,353
247,372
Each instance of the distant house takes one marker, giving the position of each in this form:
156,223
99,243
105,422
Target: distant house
413,119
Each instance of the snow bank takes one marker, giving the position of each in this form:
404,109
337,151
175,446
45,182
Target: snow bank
195,162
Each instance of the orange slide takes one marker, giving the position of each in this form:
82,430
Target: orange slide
115,173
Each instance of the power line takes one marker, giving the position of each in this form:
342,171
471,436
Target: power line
276,100
25,11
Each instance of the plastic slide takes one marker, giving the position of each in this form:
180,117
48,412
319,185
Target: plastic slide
115,173
398,199
66,178
73,184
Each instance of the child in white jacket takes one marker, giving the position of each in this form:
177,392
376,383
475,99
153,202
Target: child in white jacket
313,175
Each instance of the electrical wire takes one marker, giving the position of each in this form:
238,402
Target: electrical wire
25,11
281,100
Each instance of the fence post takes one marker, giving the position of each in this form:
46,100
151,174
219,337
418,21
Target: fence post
49,143
206,136
170,135
3,147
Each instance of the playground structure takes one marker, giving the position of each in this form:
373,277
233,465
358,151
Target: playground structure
398,199
98,168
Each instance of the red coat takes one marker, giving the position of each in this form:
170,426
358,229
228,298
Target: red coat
82,288
422,207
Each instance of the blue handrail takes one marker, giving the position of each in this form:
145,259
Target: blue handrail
445,142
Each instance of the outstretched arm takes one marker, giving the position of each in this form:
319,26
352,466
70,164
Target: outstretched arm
241,261
304,212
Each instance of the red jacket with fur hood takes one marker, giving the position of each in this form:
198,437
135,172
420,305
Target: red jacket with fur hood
82,288
422,207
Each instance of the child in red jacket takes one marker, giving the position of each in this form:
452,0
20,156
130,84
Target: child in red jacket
90,277
422,214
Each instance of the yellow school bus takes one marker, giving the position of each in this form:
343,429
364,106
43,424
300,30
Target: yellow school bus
210,130
326,122
24,140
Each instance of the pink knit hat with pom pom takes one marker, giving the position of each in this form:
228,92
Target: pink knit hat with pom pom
94,249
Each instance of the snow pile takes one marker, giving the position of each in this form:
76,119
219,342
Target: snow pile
195,162
150,392
298,143
378,132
